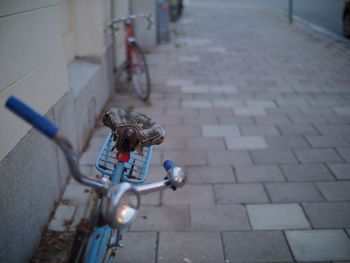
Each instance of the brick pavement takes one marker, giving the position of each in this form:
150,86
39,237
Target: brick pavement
258,114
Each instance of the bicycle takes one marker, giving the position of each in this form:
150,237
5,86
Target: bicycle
118,188
135,66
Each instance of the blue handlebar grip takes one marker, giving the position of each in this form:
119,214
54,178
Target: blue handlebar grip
37,120
168,164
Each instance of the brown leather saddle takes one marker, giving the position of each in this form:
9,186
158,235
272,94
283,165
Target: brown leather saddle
133,130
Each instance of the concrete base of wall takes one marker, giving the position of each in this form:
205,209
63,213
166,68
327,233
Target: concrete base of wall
34,173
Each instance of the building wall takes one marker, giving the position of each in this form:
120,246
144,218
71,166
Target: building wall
57,56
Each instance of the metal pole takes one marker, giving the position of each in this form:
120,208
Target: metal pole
290,13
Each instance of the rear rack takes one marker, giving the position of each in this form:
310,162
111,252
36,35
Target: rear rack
135,170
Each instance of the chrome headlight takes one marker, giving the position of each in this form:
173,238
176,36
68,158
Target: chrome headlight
121,205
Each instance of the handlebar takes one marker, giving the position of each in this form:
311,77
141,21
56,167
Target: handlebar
127,19
37,120
175,176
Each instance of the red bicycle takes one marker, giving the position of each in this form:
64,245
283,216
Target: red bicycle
135,67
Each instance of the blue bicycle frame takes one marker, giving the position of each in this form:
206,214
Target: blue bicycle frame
134,171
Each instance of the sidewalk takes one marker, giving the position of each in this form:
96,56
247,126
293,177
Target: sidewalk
258,113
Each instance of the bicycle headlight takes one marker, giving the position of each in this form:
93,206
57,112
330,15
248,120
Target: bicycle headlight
121,205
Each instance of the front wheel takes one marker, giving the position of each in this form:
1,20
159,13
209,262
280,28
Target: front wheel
140,77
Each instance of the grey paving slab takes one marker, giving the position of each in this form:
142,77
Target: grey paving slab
177,131
293,192
89,157
236,120
272,120
240,193
345,153
201,143
76,194
188,157
259,130
220,131
258,173
277,216
340,170
138,247
342,110
261,103
335,191
190,247
210,174
327,141
218,218
62,217
297,129
199,120
328,215
162,218
245,142
190,88
249,111
333,129
256,246
227,103
273,156
319,245
306,172
228,157
191,194
317,156
286,142
307,118
196,104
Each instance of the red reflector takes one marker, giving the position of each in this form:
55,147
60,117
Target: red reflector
123,157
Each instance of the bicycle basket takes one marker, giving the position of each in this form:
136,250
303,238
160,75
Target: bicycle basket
135,170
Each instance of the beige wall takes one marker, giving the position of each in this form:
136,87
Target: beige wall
32,64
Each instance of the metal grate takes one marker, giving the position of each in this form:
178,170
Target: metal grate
135,170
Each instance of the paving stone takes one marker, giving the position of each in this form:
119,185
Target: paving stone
228,157
318,245
249,111
151,199
191,194
293,192
63,215
178,82
342,110
196,104
259,130
189,59
260,103
332,129
328,215
218,218
286,142
227,103
190,247
205,144
175,143
297,129
183,158
345,153
200,120
222,89
256,247
194,89
258,173
317,155
138,247
210,174
215,112
335,191
89,157
327,141
307,118
177,131
241,120
272,120
277,216
269,156
76,194
220,131
306,172
162,218
240,193
245,142
340,170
